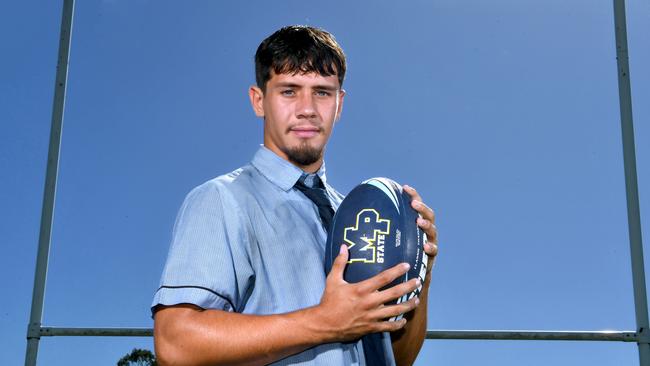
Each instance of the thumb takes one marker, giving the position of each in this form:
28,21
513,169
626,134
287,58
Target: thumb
339,263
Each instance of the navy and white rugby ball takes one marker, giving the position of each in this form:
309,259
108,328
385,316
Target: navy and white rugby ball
378,224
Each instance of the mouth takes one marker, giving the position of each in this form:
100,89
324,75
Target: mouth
304,132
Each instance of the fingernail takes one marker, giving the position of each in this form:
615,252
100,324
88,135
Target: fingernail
406,266
417,282
417,301
341,249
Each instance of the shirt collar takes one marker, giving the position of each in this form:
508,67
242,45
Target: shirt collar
279,171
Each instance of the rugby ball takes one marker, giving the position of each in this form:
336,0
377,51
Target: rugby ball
379,226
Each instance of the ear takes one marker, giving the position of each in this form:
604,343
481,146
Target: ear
256,96
339,109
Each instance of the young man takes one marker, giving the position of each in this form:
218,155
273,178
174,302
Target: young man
244,282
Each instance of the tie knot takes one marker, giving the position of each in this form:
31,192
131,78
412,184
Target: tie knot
310,181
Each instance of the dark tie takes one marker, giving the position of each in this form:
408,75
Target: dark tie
317,194
373,348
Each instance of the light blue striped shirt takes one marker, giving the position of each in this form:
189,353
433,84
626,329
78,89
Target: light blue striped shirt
249,242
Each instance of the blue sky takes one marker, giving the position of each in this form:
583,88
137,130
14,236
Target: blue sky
504,115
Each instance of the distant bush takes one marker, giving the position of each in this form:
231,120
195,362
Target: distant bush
138,357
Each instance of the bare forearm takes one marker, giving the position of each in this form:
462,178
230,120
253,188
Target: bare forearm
408,341
186,336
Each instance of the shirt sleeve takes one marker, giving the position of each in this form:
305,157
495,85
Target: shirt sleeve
206,265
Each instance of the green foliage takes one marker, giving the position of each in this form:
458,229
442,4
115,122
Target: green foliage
138,357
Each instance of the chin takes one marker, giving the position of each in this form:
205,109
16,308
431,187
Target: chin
304,154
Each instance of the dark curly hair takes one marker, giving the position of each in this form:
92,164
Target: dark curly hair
299,49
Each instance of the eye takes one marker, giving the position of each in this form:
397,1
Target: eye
288,92
323,93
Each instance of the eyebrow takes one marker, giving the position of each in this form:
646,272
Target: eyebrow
318,86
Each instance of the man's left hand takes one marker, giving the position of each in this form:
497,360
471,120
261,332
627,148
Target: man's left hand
427,223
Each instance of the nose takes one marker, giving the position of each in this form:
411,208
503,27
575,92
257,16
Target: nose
306,107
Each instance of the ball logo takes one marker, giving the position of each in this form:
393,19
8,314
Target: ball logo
366,239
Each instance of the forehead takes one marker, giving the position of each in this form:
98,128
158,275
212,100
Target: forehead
309,79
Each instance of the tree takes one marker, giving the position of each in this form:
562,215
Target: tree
138,357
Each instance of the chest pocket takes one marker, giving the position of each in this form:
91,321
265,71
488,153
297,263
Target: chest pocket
290,246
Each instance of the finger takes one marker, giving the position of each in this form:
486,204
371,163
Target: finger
415,196
382,279
387,312
424,210
390,326
431,249
418,204
339,263
429,228
397,291
412,192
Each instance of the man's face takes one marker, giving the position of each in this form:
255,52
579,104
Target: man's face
299,112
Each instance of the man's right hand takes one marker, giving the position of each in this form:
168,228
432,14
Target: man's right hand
348,311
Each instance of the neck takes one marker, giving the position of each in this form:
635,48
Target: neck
309,168
312,168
